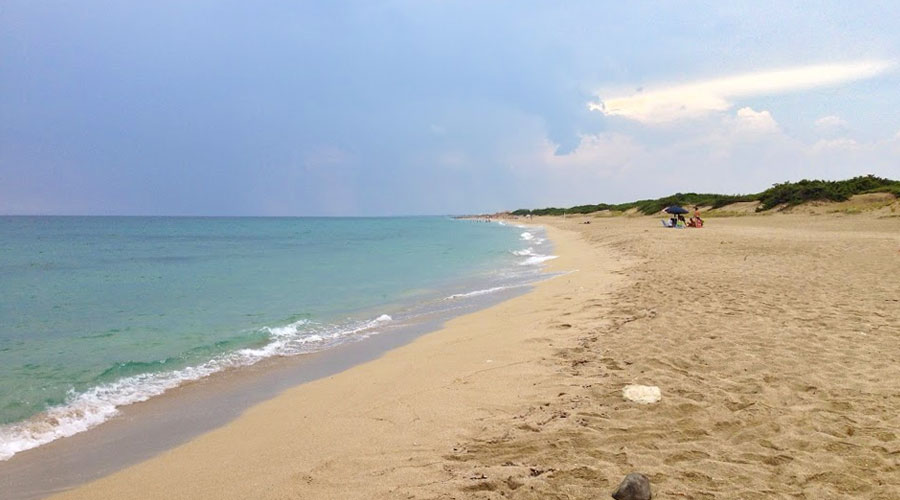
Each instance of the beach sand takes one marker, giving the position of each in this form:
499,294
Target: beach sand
775,342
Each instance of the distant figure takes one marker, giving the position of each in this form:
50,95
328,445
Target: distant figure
698,222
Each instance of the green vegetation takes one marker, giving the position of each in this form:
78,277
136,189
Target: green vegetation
788,193
894,189
644,206
795,193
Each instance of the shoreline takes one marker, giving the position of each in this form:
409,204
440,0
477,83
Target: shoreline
327,412
144,429
84,402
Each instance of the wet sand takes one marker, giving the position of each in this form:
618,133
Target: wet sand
775,341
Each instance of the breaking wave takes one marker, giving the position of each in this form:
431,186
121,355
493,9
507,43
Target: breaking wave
85,410
476,293
537,259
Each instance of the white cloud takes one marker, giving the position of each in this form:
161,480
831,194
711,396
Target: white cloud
742,152
830,123
602,153
673,102
752,121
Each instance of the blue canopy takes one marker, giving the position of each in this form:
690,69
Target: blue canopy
675,209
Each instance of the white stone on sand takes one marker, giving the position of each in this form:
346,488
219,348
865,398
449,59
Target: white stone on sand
644,394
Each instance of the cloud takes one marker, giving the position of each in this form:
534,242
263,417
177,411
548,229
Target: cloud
831,123
752,121
738,152
611,153
603,154
669,103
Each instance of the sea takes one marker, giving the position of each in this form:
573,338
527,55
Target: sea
97,313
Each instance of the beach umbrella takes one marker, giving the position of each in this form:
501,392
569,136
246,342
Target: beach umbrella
675,209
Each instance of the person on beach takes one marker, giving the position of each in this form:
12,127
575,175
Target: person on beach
696,221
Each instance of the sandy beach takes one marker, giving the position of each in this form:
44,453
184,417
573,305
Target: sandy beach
775,342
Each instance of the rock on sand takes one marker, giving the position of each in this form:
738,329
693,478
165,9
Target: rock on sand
635,486
644,394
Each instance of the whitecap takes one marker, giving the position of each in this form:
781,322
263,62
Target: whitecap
476,293
537,259
290,329
88,409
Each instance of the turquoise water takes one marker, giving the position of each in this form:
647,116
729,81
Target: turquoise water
100,312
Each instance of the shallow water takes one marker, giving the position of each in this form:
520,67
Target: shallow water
101,312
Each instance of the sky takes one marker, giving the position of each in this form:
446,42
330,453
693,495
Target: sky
200,107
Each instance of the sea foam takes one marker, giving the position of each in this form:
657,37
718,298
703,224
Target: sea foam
88,409
534,258
476,293
537,259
